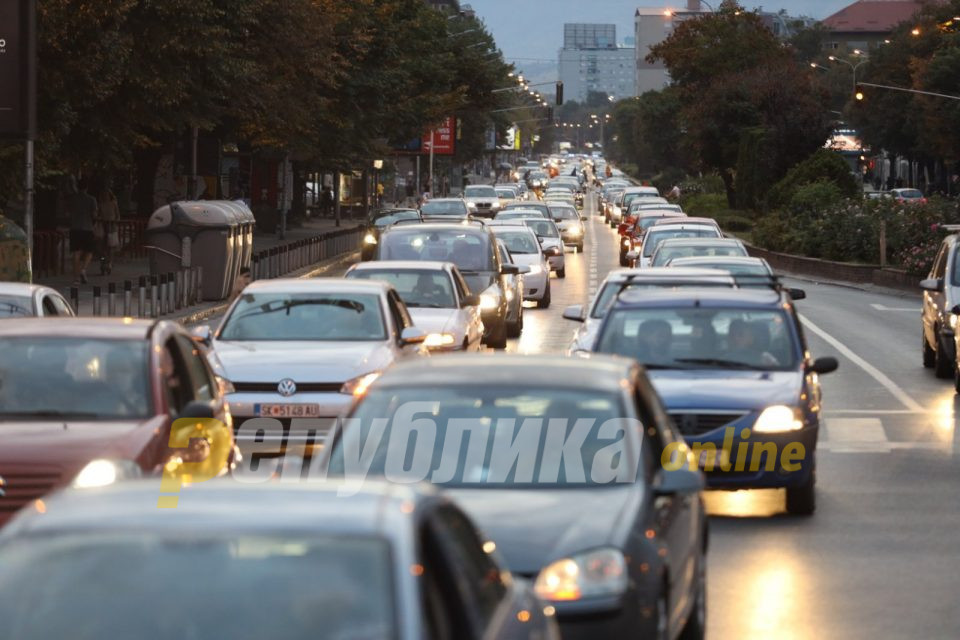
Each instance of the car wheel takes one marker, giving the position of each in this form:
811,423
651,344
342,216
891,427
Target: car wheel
696,627
498,336
579,247
802,500
929,355
623,260
943,368
562,273
516,328
544,302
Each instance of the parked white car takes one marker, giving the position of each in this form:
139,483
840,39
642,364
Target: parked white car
437,297
300,351
22,300
525,250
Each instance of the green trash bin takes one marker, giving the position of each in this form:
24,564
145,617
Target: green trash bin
13,252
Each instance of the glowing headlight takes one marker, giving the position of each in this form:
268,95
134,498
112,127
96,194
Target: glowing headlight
535,269
102,473
625,242
359,385
435,340
779,419
489,301
598,573
575,230
952,320
369,239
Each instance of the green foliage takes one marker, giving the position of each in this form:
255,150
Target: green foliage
649,132
754,166
824,165
704,204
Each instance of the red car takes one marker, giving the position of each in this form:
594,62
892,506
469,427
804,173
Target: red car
90,401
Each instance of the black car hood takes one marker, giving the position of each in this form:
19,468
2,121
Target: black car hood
534,527
725,389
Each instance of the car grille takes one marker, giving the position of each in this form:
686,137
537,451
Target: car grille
293,433
695,424
23,487
302,387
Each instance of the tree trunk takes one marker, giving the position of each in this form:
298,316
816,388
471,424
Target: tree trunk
728,184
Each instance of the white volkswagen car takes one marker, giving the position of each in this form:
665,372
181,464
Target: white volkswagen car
297,353
22,300
438,298
525,250
621,279
548,234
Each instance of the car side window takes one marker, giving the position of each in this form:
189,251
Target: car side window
202,384
48,307
398,311
480,580
63,309
460,286
656,423
175,377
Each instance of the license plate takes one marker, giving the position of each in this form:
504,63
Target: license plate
714,460
287,410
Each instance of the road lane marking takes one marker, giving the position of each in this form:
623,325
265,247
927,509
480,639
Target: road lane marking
871,370
877,412
881,307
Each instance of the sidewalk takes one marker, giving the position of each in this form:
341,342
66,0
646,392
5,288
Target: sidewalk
133,268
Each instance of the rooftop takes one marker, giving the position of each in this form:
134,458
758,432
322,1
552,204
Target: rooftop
872,16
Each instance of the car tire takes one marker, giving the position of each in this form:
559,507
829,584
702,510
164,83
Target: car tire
498,336
942,367
562,273
623,260
514,329
544,302
696,627
929,355
802,500
579,247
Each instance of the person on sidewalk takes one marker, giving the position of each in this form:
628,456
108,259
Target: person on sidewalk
83,211
108,218
326,202
380,194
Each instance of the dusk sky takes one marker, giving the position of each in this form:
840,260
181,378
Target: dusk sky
533,29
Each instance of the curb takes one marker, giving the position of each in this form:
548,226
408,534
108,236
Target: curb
314,271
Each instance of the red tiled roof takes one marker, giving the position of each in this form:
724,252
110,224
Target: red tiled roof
872,16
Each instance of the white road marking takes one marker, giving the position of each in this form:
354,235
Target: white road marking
895,390
876,412
881,307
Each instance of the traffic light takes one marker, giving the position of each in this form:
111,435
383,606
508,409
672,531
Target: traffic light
858,93
559,93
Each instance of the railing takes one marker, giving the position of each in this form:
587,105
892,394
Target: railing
130,233
49,253
278,261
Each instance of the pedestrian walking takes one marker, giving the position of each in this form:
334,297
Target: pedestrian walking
108,219
380,194
326,202
82,208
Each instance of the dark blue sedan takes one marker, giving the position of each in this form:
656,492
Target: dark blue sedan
734,372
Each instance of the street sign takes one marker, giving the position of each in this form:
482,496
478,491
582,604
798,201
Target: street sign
444,141
17,68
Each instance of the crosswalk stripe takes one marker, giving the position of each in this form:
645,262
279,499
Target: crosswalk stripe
855,435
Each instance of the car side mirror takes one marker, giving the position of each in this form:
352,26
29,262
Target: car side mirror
412,335
471,300
199,410
202,334
523,269
509,270
677,481
797,294
823,366
932,284
574,312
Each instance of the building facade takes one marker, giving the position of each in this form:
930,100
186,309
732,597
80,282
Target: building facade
591,60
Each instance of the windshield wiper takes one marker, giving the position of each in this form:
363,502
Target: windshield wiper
49,413
719,362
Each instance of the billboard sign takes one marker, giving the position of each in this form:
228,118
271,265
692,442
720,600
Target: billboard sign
443,139
17,68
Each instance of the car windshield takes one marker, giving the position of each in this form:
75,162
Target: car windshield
417,288
15,306
131,585
668,252
911,193
608,294
736,268
519,242
702,338
468,249
499,417
383,219
444,208
305,316
98,379
479,191
655,236
564,213
517,215
506,193
543,228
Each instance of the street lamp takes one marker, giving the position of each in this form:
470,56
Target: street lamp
852,66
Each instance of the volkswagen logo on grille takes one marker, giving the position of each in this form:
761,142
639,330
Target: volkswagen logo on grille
287,387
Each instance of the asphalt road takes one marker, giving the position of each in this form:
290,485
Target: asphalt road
881,556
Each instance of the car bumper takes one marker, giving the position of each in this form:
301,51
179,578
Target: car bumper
571,238
535,287
608,618
556,262
765,475
288,431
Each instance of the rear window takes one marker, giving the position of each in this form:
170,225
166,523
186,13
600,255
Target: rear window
655,236
470,251
668,252
447,208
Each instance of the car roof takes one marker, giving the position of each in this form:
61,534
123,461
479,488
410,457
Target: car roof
317,285
661,213
706,297
427,227
21,289
501,228
663,273
403,265
713,242
683,223
596,373
98,327
715,259
227,507
632,190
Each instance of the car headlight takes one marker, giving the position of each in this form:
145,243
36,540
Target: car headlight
358,386
952,320
369,239
489,301
625,242
779,419
597,573
436,340
103,472
575,231
495,206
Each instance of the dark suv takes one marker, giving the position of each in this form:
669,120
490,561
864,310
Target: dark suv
473,250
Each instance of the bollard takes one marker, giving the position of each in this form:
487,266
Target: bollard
162,294
171,293
191,292
112,299
255,268
154,298
127,297
199,284
96,300
142,297
75,299
180,289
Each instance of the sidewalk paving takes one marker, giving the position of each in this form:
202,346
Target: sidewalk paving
133,268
